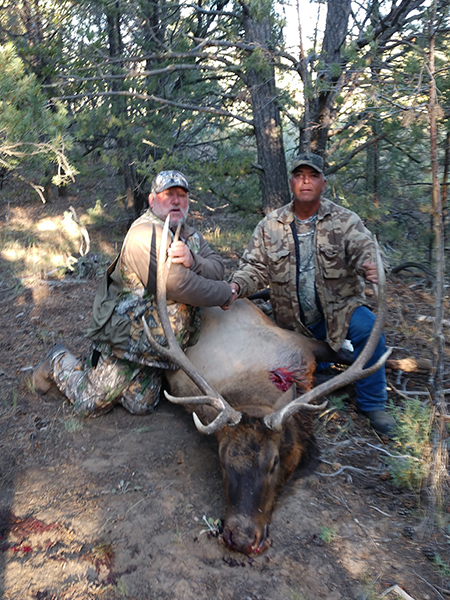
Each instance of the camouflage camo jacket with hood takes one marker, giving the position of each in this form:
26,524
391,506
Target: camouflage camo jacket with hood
127,293
342,245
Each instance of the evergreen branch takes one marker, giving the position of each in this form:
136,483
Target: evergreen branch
146,97
39,189
132,73
158,57
404,151
349,157
394,455
391,23
216,13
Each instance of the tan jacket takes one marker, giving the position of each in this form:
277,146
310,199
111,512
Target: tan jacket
200,285
127,292
342,245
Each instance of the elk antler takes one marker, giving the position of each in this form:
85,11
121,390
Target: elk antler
356,371
227,415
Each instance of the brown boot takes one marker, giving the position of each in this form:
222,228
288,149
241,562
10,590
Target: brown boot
43,374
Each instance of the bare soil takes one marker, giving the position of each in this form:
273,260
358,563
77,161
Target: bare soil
114,507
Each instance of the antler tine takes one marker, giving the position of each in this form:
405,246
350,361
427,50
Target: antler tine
353,373
227,414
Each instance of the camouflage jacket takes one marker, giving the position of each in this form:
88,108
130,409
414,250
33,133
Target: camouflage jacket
342,245
127,293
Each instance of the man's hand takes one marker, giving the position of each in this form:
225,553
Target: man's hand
180,253
235,293
371,272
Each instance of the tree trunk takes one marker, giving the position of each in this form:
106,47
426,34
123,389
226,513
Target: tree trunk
260,79
445,177
323,107
439,471
133,204
334,71
372,166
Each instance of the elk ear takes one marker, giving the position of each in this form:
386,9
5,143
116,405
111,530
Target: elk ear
285,398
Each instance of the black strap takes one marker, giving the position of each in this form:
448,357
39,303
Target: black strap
152,268
95,358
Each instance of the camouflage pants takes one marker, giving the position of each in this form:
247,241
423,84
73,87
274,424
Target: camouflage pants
94,390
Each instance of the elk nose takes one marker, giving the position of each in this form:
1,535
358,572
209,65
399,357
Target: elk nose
260,546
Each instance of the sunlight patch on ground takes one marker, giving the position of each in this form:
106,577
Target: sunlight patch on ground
39,247
46,225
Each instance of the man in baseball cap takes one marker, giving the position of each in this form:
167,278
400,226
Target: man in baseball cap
121,366
314,255
309,159
170,195
167,179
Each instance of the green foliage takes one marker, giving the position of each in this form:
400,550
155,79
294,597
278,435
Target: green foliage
337,400
97,214
400,184
260,9
442,567
77,53
327,534
412,444
258,61
73,424
335,70
32,132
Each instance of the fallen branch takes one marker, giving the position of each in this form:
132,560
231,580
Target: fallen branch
380,511
393,455
405,393
83,231
430,586
364,529
413,265
398,590
410,365
339,471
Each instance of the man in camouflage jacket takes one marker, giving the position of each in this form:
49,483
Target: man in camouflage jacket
121,366
314,256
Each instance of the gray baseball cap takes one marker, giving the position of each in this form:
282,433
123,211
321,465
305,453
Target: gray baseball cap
308,158
167,179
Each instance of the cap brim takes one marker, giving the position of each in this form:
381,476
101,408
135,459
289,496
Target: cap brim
308,164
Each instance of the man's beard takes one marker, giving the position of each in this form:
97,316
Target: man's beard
181,220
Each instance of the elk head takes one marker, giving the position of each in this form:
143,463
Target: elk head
260,445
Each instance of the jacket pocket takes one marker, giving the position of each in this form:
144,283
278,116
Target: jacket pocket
332,259
279,266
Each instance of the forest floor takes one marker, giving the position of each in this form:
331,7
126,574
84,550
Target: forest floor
114,507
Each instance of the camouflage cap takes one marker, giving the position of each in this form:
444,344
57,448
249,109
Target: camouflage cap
167,179
308,158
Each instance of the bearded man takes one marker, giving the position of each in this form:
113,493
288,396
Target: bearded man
121,367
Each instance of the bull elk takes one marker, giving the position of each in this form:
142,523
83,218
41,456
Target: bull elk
264,435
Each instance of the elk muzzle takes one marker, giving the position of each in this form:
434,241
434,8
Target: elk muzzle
242,535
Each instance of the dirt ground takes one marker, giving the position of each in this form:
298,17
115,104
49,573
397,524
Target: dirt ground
115,507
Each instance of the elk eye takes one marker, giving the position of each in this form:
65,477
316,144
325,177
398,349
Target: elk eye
276,460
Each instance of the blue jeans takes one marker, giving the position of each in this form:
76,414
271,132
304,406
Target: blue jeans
371,391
